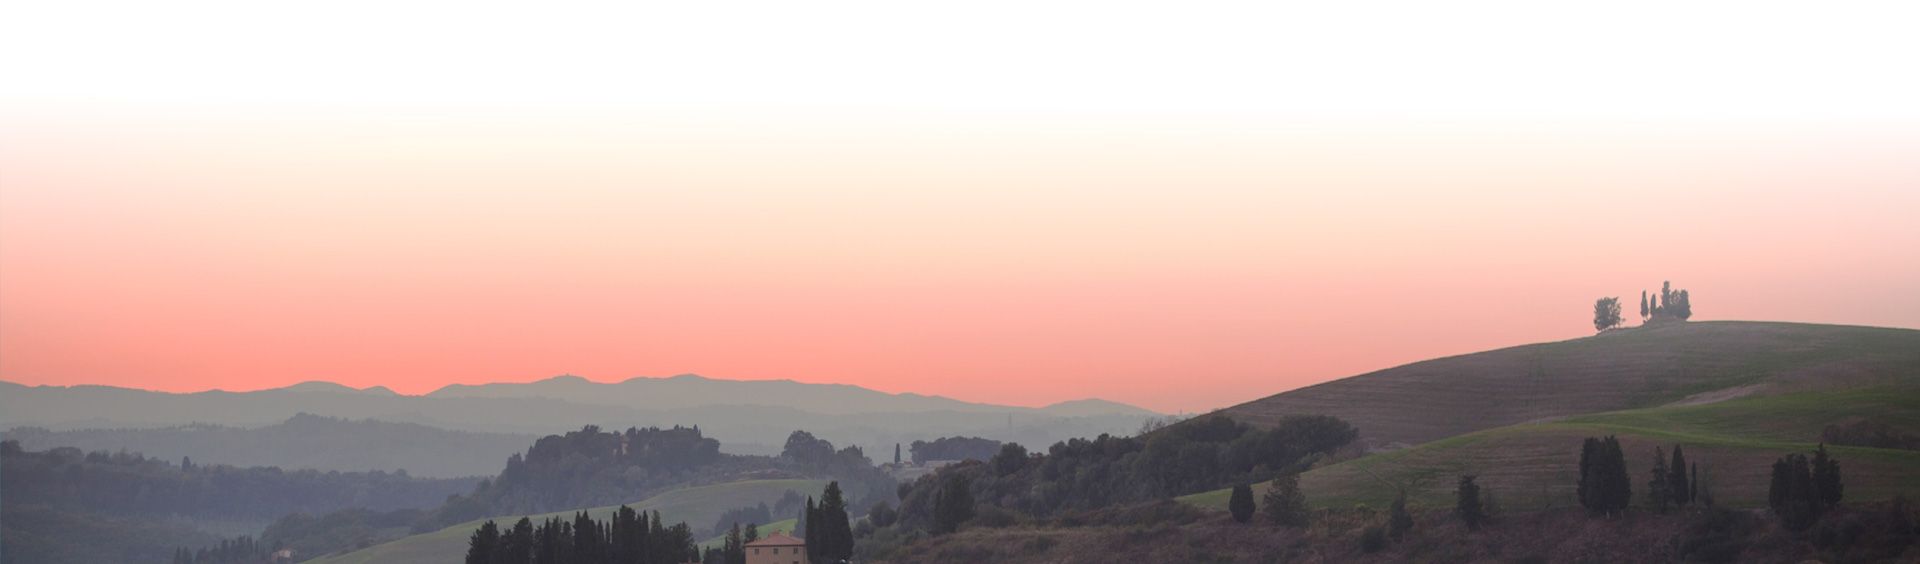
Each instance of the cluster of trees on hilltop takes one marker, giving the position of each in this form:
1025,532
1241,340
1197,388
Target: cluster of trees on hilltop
629,537
131,484
1200,454
1668,305
953,448
592,467
850,466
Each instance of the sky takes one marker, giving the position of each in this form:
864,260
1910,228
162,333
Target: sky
1180,207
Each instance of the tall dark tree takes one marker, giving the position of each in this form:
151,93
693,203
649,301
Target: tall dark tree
1677,484
1398,520
1660,488
830,528
1644,312
1693,485
516,547
1240,503
1827,488
1467,503
1606,313
1286,504
896,454
483,546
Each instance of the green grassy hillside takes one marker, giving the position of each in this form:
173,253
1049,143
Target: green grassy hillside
765,529
698,506
1619,370
1535,465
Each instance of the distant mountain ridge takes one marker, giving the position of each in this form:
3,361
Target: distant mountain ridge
693,390
748,417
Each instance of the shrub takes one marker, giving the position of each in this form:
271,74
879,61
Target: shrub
1373,539
1398,521
1285,504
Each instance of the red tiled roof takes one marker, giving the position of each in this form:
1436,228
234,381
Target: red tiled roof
778,539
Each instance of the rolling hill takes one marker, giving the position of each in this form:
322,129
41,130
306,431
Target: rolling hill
1735,395
695,505
1622,369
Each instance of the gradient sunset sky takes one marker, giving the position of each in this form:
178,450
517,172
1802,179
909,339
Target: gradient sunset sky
1181,208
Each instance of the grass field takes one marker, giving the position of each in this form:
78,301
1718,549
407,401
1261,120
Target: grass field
1532,466
698,506
765,529
1619,370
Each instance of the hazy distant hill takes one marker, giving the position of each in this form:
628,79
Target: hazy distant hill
748,417
691,390
1622,369
303,441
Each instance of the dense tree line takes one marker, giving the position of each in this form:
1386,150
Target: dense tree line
1605,487
629,537
1869,433
953,448
1802,490
1196,455
592,467
243,550
130,484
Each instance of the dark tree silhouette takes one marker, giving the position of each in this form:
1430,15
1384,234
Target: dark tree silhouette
1012,458
1240,503
1606,313
1604,488
1677,483
1660,488
1827,488
1791,494
1467,503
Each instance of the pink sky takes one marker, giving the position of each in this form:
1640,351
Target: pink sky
1177,264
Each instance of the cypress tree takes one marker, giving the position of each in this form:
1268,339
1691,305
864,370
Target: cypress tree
1827,488
1660,488
1240,504
1467,503
1677,487
835,529
812,535
1693,484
